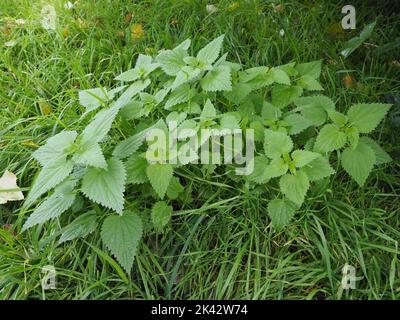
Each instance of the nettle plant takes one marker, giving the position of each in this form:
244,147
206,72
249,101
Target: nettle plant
295,138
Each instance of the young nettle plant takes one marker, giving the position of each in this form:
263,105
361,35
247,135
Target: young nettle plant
294,138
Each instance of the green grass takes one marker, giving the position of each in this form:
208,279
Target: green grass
220,244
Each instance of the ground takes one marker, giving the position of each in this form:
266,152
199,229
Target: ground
220,245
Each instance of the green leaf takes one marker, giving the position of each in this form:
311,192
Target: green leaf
136,169
121,235
174,189
208,112
359,162
181,94
106,186
143,68
366,116
281,212
130,145
357,41
60,201
315,108
280,76
90,155
276,144
160,176
381,156
270,112
91,99
318,169
353,136
238,93
303,157
171,61
82,226
229,122
283,95
161,215
129,93
295,187
55,147
338,118
260,165
49,177
330,138
218,79
278,167
211,51
309,83
132,110
296,123
311,69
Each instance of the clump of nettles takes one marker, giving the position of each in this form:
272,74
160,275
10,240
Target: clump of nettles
295,129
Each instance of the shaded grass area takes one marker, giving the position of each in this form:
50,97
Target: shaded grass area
220,243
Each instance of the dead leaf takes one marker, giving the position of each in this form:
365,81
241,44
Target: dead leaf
8,183
348,81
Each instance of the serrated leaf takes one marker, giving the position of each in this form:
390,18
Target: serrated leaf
359,162
309,83
174,189
283,95
260,166
143,68
181,94
280,76
80,227
60,201
136,169
55,147
91,155
49,177
276,144
296,123
121,235
330,138
211,51
129,93
270,112
218,79
106,186
160,176
366,116
303,157
318,169
311,69
208,112
171,61
281,212
92,98
381,156
132,110
229,122
277,167
130,145
161,215
238,93
295,187
353,136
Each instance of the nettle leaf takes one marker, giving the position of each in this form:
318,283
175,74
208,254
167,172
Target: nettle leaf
353,136
174,189
129,93
297,123
311,69
276,144
91,99
136,169
211,51
238,93
260,168
82,226
270,112
283,95
160,176
330,138
55,147
49,177
318,169
277,167
121,235
280,76
281,212
208,112
295,187
218,79
106,186
90,155
187,74
366,116
59,202
315,108
181,94
381,156
303,157
143,68
229,122
309,83
171,61
359,162
130,145
338,118
161,215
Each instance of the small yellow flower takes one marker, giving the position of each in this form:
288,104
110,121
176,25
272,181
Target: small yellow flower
65,32
174,21
137,31
233,7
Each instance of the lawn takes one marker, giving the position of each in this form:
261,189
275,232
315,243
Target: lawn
220,243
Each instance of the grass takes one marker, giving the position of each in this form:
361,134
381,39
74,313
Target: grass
220,244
